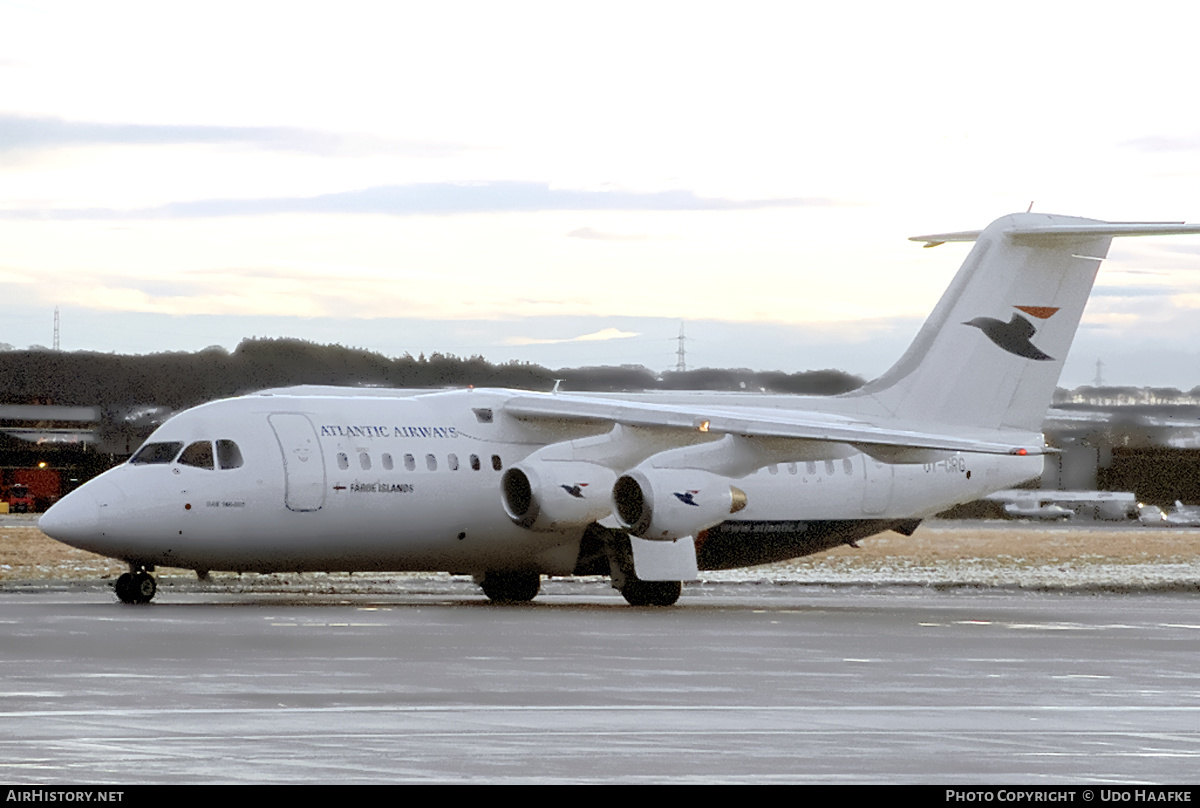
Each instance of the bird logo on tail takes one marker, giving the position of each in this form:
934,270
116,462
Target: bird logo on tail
1014,336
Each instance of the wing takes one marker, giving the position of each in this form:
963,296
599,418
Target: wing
882,440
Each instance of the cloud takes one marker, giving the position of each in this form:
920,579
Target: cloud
1162,143
1179,249
17,275
596,336
1135,291
599,235
480,197
338,292
18,133
437,198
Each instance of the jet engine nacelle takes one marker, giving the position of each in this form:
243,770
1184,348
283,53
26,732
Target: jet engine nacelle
556,495
669,504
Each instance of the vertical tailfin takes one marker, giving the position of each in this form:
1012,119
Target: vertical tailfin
991,353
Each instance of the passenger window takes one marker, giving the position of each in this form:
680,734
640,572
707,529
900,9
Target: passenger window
229,456
496,464
410,463
156,453
431,462
387,461
364,460
773,468
198,454
791,468
829,467
343,461
848,466
474,462
452,461
810,467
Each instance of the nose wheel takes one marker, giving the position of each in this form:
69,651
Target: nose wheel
136,587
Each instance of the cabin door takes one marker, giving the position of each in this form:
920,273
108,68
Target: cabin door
303,462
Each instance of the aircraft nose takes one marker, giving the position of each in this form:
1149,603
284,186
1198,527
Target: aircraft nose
75,518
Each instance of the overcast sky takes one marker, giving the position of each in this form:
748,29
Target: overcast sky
565,183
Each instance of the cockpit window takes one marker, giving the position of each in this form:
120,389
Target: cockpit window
156,453
198,454
229,456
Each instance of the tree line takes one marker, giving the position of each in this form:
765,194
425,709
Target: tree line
179,379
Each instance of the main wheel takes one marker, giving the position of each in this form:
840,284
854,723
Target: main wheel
136,587
651,593
144,587
124,587
511,586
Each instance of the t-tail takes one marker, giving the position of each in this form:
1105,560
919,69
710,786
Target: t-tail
991,353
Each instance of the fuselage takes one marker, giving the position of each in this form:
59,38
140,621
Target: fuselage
410,480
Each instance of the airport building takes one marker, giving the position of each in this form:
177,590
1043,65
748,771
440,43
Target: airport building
45,451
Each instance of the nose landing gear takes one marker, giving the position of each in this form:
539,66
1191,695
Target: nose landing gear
136,586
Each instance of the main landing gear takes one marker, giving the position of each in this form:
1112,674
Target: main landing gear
510,587
602,551
136,586
619,553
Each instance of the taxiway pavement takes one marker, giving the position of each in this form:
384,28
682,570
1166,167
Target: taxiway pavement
741,682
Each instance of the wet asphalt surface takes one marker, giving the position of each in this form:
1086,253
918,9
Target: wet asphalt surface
422,680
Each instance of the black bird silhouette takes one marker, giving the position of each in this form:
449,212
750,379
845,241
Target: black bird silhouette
1012,336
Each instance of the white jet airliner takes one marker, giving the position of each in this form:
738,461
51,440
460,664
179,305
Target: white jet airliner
649,489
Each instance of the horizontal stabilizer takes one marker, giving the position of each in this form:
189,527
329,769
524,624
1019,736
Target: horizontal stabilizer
941,238
1109,229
